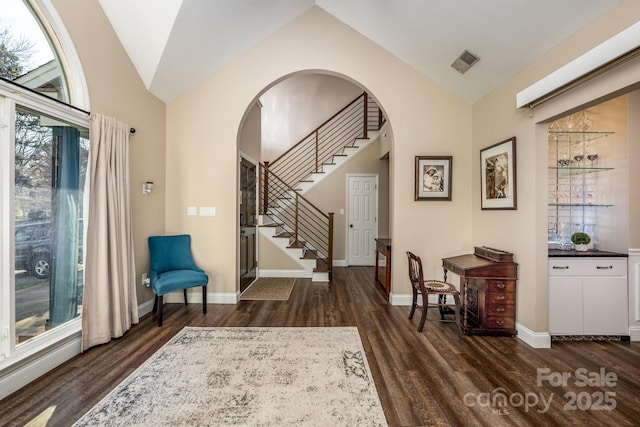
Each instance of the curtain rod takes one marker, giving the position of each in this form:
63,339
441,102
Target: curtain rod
88,113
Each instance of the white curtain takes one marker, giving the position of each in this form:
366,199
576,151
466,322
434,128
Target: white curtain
110,303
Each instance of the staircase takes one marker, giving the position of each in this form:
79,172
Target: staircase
287,218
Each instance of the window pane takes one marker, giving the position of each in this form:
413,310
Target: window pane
50,170
26,55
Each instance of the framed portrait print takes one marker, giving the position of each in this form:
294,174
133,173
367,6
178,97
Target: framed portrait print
498,180
433,178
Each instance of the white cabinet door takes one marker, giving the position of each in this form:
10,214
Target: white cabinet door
565,306
605,305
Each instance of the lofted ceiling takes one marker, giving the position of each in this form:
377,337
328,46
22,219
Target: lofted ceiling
175,43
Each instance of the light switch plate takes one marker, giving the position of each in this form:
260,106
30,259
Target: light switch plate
207,211
192,211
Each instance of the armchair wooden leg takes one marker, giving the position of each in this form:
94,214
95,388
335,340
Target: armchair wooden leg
185,296
414,303
204,299
159,298
155,304
425,306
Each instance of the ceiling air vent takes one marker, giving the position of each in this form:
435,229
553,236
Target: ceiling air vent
465,61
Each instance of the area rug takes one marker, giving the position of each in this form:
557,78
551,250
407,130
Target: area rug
269,288
248,377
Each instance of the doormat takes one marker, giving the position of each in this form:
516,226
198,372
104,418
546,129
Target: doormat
248,377
269,288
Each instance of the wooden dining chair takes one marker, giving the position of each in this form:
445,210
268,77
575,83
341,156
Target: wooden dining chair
423,287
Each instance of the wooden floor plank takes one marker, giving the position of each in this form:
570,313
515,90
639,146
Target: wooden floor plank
436,378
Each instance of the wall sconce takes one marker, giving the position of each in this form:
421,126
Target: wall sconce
147,187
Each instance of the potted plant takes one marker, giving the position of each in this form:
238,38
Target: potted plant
581,241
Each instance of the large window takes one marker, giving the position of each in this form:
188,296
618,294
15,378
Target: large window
43,169
50,171
27,57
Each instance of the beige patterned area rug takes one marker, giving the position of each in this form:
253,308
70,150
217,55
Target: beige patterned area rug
248,377
269,288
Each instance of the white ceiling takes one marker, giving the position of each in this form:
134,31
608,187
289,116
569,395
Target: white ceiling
175,43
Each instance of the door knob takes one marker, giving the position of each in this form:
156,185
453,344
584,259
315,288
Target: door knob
351,225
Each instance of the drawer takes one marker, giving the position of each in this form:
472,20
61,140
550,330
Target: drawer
587,267
501,286
497,322
500,298
498,310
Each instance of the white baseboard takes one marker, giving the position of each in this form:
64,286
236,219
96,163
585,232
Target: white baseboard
340,263
634,333
400,299
407,299
196,297
282,273
145,308
534,339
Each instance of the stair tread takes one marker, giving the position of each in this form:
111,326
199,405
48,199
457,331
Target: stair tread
309,255
283,234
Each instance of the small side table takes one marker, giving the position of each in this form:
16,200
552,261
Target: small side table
383,272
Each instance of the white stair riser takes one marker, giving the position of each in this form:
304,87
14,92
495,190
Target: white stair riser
350,152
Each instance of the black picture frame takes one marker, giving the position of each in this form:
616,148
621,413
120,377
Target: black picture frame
433,178
498,176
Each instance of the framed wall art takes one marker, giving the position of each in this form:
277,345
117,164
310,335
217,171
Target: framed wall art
498,175
433,177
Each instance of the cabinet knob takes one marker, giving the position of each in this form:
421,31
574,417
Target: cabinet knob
499,309
501,285
500,298
500,322
604,267
560,267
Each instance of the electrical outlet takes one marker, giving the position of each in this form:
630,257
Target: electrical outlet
145,280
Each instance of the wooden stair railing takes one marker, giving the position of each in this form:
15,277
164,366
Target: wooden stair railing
306,226
331,138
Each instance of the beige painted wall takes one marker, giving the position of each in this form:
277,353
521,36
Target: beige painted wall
249,141
116,90
202,135
495,118
633,101
330,195
271,257
297,105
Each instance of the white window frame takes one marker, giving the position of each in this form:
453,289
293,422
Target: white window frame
19,365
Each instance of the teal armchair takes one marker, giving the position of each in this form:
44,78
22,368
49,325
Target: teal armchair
172,268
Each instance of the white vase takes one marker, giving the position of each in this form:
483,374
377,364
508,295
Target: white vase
581,248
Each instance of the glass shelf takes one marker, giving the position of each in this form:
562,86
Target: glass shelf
583,205
577,136
564,171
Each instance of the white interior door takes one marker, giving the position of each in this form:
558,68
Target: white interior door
362,220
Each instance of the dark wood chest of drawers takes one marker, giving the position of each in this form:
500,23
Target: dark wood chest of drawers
488,290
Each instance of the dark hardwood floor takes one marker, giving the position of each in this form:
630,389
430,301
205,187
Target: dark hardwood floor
437,377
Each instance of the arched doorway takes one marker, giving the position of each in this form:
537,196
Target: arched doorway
286,112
